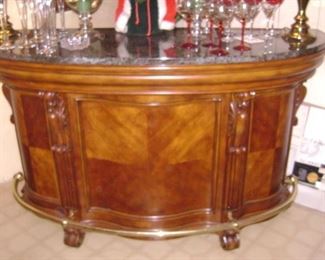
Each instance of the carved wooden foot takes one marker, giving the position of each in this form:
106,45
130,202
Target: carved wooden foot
229,239
73,236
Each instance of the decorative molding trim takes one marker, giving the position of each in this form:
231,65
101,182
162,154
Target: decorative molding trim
238,138
60,141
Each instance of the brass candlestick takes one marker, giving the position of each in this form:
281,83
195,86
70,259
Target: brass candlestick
6,29
299,33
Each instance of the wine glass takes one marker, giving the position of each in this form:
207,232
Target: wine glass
6,43
255,8
223,10
242,11
269,8
229,4
209,13
186,9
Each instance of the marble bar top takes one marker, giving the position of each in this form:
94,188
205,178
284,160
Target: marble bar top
164,49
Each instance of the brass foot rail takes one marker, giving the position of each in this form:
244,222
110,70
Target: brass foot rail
233,224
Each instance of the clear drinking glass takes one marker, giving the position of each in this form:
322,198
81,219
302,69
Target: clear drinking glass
6,43
23,41
34,20
61,9
46,16
269,8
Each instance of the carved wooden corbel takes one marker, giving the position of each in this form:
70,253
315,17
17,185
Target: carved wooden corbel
6,92
300,95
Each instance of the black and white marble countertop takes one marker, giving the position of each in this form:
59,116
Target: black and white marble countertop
164,49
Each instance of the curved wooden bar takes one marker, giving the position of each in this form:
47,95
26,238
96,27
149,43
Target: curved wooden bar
154,149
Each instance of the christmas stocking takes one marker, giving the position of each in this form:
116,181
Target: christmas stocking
145,17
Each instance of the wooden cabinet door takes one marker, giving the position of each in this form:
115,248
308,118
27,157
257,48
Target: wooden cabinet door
149,161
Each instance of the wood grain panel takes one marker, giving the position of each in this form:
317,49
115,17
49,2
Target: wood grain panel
265,123
258,175
35,120
158,156
44,173
115,133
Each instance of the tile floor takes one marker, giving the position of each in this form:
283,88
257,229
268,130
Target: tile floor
297,234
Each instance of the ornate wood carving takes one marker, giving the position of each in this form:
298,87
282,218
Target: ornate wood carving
238,137
300,95
60,146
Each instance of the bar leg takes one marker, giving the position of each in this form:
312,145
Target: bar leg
73,236
229,239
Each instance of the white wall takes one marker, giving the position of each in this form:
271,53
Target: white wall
104,17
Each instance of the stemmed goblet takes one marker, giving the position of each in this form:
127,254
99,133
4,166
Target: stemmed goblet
185,8
269,8
209,11
223,10
82,38
227,23
255,8
242,10
85,9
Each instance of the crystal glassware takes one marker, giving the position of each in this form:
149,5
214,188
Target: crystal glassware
85,9
186,8
242,12
255,8
227,23
223,11
210,16
269,8
83,37
6,43
46,17
34,20
61,9
23,41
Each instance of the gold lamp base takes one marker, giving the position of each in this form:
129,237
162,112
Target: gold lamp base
8,29
299,34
